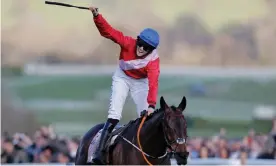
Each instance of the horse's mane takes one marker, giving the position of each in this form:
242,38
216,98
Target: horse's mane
154,114
156,111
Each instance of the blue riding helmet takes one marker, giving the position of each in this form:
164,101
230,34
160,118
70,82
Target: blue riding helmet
150,36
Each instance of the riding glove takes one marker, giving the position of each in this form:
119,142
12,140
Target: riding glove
94,10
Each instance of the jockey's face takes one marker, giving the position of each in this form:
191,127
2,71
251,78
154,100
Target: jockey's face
142,48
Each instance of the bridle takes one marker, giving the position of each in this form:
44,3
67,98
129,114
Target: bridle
178,141
169,143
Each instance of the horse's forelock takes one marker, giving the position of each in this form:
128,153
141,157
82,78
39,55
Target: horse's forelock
176,111
173,108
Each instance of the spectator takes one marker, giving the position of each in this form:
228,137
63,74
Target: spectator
63,158
45,155
224,153
203,152
269,151
7,151
243,156
72,146
12,153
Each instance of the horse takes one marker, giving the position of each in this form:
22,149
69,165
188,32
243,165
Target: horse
162,135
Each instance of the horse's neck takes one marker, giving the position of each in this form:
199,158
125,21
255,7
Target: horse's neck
152,139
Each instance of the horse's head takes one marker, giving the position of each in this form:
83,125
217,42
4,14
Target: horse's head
175,130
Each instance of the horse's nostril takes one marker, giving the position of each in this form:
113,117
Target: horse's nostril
180,140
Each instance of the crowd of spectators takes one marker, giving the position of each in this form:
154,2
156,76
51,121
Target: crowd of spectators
252,146
45,146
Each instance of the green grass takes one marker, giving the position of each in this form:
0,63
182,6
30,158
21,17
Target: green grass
83,116
11,71
228,102
251,91
77,88
86,88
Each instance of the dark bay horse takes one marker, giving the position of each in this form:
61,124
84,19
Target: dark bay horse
162,135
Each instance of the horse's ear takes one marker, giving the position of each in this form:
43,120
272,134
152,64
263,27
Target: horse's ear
163,104
183,104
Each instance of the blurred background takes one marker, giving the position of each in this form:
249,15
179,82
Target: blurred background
56,75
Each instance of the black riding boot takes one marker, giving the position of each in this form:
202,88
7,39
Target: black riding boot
107,129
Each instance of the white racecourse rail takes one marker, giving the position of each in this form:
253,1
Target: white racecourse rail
42,69
208,161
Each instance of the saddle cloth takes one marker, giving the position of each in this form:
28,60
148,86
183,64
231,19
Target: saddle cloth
96,140
110,141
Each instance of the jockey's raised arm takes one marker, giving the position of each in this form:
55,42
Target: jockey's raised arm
107,31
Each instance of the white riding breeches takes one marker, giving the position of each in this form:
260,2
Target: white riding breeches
121,86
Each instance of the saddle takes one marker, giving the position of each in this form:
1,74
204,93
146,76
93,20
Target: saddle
111,141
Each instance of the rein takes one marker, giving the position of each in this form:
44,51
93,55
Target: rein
138,138
160,157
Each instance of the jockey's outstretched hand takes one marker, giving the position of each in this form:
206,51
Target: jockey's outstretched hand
94,11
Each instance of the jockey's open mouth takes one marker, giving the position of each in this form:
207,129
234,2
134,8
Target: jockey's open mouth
140,51
143,48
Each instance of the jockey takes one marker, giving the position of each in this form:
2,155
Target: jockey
138,73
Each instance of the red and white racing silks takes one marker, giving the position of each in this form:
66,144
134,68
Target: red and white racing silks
132,65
